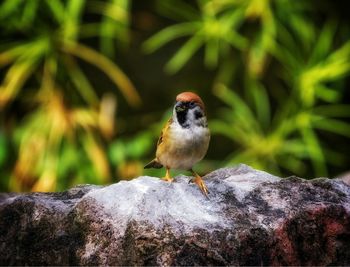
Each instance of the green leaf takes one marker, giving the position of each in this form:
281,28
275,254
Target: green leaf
334,110
315,151
72,19
108,67
211,53
9,6
29,12
184,54
168,34
303,29
295,165
241,109
220,127
3,149
327,94
15,51
295,147
262,103
323,45
333,126
57,9
236,40
117,152
178,10
14,80
81,82
139,145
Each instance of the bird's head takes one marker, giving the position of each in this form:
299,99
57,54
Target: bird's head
189,110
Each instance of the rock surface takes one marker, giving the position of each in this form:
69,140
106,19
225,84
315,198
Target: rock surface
250,218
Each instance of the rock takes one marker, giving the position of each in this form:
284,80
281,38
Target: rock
250,218
345,177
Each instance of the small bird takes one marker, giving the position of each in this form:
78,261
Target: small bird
184,139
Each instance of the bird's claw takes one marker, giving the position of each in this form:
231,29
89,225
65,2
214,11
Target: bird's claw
168,179
167,176
200,183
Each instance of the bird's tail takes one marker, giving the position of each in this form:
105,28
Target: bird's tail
153,164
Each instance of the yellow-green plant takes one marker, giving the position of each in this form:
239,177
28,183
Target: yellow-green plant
217,26
279,74
42,52
205,28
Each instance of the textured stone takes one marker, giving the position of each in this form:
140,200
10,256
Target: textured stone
250,218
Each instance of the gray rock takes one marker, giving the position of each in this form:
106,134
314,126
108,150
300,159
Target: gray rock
250,218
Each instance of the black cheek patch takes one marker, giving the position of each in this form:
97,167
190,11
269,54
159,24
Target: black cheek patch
182,118
198,115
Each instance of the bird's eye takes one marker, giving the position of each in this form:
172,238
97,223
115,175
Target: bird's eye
192,104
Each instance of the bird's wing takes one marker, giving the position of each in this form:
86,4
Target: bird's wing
164,130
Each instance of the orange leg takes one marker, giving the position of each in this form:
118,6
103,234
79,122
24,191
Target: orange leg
200,183
167,177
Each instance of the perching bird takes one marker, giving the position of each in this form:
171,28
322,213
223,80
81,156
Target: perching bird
184,140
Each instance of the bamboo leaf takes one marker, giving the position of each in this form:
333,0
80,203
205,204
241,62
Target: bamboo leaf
84,118
29,12
220,127
333,126
324,43
184,54
314,151
178,10
81,82
15,78
108,67
168,34
57,9
236,40
71,22
19,50
262,104
334,110
295,165
212,53
327,94
240,109
98,157
8,6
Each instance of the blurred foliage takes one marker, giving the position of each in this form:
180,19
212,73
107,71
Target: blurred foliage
271,132
61,134
279,70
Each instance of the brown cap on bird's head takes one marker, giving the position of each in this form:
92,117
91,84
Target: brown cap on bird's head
188,97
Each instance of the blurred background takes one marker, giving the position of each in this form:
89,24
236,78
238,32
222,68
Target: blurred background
86,86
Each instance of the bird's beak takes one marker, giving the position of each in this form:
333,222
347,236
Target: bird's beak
179,106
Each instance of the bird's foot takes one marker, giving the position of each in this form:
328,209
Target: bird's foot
200,183
168,179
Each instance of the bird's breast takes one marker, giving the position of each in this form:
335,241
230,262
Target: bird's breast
183,147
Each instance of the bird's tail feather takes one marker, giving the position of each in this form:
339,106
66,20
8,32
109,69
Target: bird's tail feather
153,164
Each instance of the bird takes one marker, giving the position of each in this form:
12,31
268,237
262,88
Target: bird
184,140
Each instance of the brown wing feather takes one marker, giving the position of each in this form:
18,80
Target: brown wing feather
165,128
154,163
